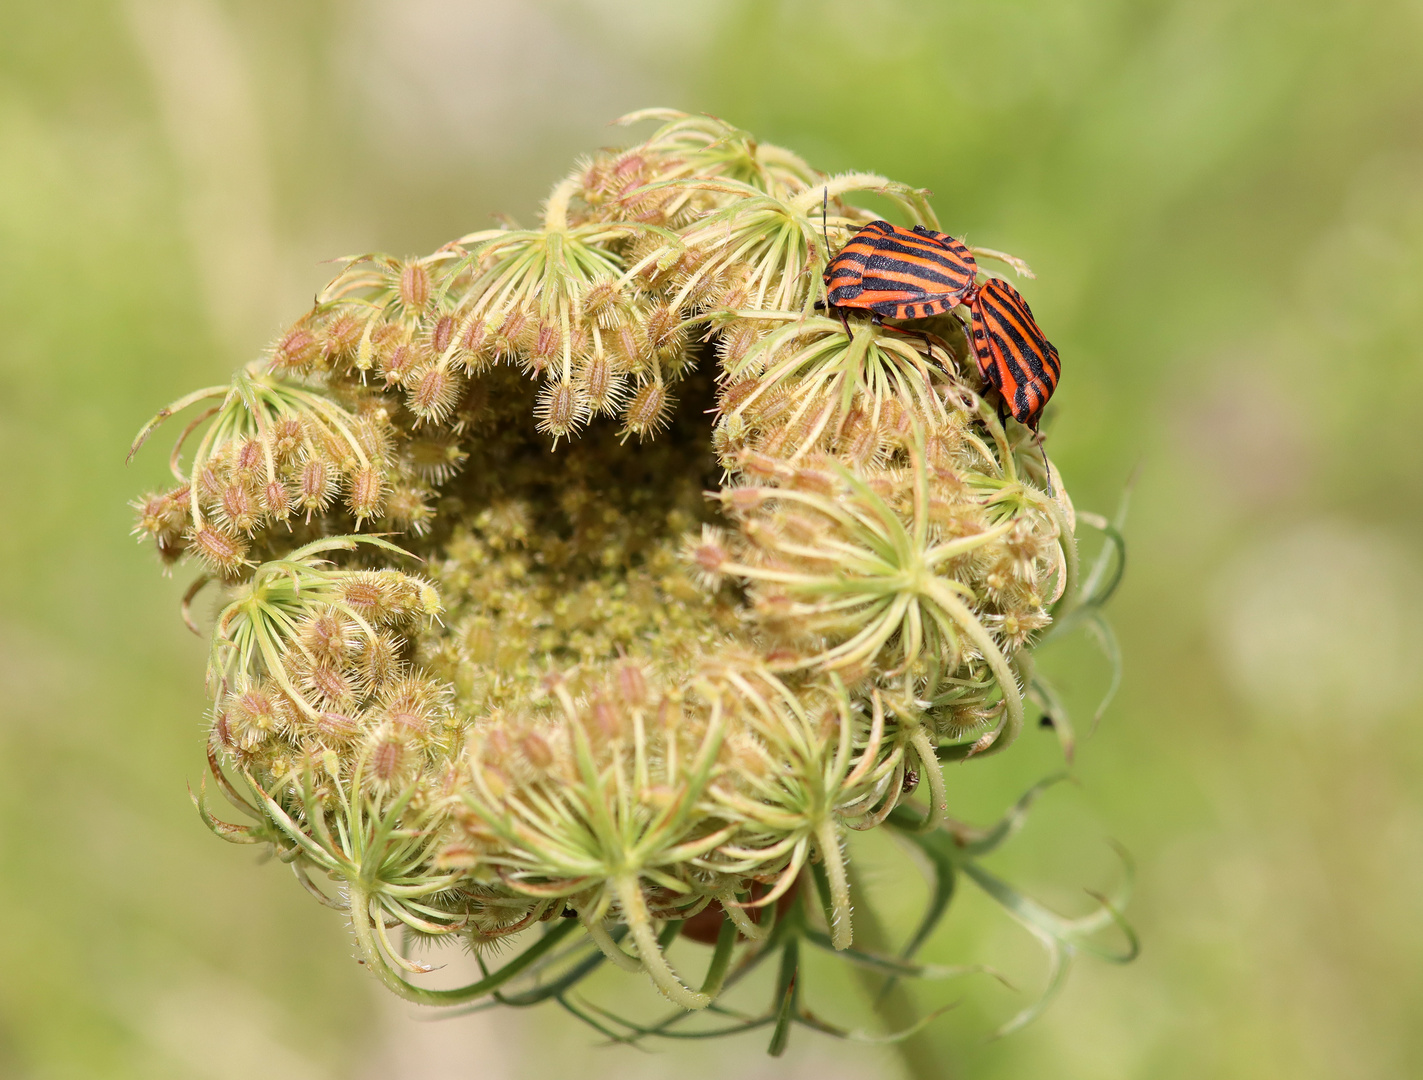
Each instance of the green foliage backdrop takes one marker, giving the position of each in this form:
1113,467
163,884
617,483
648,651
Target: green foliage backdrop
1224,204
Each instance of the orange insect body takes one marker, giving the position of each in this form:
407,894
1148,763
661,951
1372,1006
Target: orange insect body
1013,353
900,273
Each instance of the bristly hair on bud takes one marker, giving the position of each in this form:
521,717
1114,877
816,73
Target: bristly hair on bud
161,516
433,393
276,500
709,556
296,350
222,552
400,362
648,411
602,384
316,484
561,408
603,302
414,286
366,494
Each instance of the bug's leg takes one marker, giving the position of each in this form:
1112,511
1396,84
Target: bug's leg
970,350
967,332
845,322
929,345
924,336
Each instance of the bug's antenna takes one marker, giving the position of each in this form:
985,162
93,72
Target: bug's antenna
825,285
1047,467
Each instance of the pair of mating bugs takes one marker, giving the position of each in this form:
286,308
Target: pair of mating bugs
910,274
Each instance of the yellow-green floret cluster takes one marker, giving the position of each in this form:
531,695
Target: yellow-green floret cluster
584,579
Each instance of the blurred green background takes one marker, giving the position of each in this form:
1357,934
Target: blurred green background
1223,200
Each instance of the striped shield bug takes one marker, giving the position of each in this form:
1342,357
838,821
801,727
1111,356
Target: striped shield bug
900,273
1013,354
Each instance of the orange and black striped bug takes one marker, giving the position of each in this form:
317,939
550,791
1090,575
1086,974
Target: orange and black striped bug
899,273
1014,355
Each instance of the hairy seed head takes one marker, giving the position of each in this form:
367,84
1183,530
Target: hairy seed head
400,362
470,341
378,657
223,552
544,344
511,331
342,337
434,393
414,286
648,411
664,330
286,437
297,350
276,500
631,683
391,760
366,495
536,750
603,302
560,409
441,334
327,635
709,557
316,484
601,385
332,728
162,516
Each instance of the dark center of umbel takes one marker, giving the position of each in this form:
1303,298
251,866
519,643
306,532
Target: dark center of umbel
565,559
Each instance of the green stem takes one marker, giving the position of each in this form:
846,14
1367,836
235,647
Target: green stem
1067,539
610,948
556,209
894,1005
640,924
360,901
997,662
933,775
828,838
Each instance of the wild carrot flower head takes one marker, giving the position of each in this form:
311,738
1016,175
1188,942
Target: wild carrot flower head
582,580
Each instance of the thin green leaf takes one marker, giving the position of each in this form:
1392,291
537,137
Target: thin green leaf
822,891
721,959
1055,709
1059,960
233,834
564,982
643,1031
981,842
1109,565
786,997
861,1036
942,886
889,965
1102,633
592,1023
1047,923
530,956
